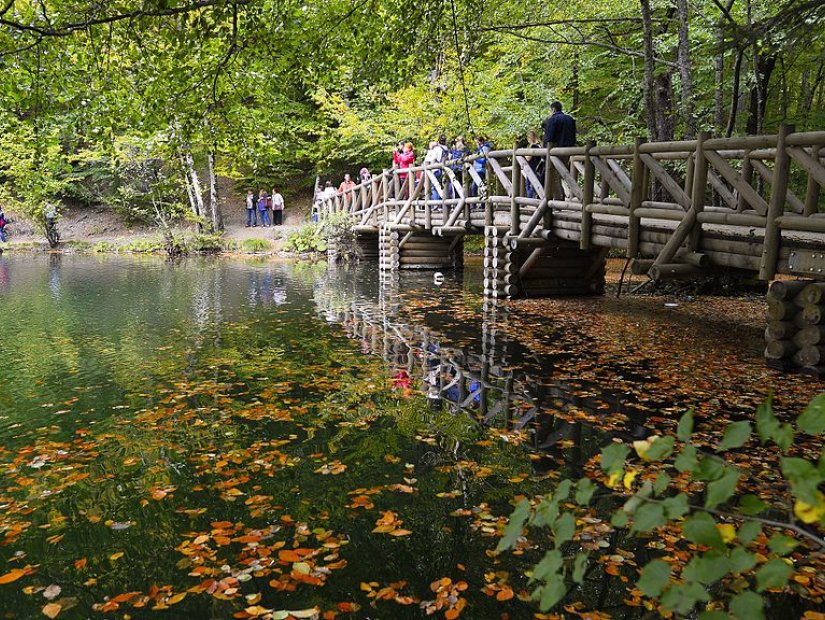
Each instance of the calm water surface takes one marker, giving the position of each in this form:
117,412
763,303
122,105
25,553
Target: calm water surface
198,438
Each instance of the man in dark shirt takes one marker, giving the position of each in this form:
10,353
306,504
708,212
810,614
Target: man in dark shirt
560,128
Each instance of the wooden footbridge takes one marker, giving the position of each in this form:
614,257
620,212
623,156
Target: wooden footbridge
676,209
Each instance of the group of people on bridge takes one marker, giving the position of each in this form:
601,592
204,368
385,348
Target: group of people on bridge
558,130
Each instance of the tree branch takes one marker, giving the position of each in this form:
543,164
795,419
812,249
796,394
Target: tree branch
585,43
71,27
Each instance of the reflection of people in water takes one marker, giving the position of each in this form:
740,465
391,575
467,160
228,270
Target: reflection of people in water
403,382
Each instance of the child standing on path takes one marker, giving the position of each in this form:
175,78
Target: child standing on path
262,209
251,217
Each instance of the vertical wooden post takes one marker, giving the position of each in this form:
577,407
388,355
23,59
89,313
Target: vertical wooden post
465,188
396,184
637,189
515,223
548,191
812,193
384,197
691,169
587,195
489,216
747,176
700,183
428,214
779,189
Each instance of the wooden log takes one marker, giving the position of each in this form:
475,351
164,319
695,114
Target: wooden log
673,271
812,293
809,356
780,349
812,314
779,310
780,364
779,330
640,266
813,371
426,252
810,335
787,289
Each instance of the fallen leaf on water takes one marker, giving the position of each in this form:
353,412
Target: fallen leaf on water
12,575
51,610
53,591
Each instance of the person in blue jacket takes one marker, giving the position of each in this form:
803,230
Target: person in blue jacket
480,163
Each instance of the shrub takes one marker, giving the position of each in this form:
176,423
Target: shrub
206,244
256,245
305,240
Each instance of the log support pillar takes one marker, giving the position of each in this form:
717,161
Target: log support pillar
400,248
551,269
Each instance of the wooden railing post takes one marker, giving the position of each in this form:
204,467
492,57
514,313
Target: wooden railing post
465,188
587,194
779,189
690,224
637,191
489,215
514,206
428,186
812,191
385,201
547,221
747,176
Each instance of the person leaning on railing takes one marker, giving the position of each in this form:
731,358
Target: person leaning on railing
458,152
536,162
480,162
345,190
403,159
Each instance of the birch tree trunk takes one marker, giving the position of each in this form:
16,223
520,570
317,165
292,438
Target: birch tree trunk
215,216
685,73
189,163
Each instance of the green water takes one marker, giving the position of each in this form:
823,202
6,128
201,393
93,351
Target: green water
169,428
215,438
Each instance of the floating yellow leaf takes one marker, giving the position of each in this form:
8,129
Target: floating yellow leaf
116,556
629,477
51,610
726,531
810,513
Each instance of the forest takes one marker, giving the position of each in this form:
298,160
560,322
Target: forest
139,105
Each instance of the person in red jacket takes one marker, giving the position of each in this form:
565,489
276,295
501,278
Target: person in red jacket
403,159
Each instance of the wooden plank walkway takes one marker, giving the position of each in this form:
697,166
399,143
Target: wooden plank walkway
677,209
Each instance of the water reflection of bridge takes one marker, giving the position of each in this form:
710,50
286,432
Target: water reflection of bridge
493,378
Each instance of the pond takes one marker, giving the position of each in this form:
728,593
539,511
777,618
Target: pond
214,438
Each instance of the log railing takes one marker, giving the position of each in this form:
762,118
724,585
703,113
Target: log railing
751,202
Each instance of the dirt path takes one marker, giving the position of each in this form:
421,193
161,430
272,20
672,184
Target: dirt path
94,225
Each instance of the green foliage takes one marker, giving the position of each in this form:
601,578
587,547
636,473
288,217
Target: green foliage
206,244
306,240
724,542
255,245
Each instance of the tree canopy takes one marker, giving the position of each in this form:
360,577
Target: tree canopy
280,89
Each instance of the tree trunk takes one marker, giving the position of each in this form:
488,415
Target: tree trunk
215,216
648,85
734,97
763,69
685,73
197,195
719,94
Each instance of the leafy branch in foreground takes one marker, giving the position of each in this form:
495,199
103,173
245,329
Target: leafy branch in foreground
729,547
